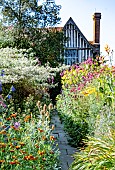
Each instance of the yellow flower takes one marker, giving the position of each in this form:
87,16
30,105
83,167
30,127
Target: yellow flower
88,91
41,152
107,49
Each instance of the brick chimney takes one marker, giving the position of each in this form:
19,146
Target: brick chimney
96,31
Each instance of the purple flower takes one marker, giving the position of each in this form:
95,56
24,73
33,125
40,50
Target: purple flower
52,79
17,125
62,74
13,89
49,80
9,96
2,73
0,83
0,89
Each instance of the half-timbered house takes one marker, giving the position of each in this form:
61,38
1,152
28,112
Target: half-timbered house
78,48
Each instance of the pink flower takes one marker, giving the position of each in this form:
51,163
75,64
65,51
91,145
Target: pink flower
3,104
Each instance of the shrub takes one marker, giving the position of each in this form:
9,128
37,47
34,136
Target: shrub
28,76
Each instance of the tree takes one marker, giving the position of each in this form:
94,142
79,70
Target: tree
51,47
30,20
28,13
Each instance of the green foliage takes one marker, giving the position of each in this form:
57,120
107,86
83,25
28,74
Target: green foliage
73,116
6,39
27,75
99,150
99,154
50,48
19,12
87,107
25,137
86,89
29,21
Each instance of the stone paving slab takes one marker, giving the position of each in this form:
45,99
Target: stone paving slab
66,151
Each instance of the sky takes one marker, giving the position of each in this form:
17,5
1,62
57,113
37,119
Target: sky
81,12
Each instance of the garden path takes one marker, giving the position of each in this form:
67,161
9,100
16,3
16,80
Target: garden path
66,151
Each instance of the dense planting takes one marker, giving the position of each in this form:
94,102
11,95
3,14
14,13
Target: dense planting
26,141
87,106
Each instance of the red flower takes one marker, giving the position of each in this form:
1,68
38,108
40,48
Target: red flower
14,162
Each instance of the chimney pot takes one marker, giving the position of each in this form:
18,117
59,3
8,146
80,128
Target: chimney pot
96,29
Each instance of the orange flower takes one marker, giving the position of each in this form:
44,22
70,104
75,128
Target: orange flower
14,138
52,138
3,132
44,138
2,145
18,147
30,157
14,115
11,145
2,161
23,152
9,118
40,130
27,118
